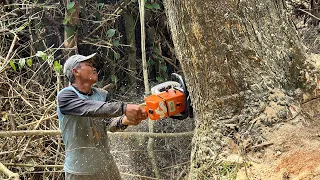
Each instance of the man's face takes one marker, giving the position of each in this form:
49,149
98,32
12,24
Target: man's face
86,72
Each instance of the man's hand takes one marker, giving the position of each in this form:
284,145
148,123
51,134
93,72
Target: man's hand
135,113
126,121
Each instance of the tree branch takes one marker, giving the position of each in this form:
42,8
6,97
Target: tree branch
7,172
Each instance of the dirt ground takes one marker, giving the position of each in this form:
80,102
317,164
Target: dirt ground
292,151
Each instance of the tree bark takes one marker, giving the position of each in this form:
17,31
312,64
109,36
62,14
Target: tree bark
70,29
234,56
315,10
131,40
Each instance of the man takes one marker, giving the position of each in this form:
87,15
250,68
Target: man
84,115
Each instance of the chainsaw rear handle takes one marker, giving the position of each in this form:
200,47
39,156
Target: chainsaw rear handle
187,101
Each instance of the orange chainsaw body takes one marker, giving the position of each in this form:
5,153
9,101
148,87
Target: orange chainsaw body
165,104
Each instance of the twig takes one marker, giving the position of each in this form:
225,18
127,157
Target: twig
7,172
33,165
36,127
261,145
36,122
309,14
7,60
168,60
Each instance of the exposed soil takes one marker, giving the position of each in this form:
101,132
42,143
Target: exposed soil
292,151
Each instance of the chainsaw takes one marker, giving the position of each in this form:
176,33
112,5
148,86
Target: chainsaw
169,99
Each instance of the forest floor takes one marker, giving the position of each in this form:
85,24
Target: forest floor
292,151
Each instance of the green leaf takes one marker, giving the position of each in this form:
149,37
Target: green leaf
100,5
29,62
148,6
72,11
42,54
116,55
66,20
123,89
133,1
156,49
57,66
156,6
22,63
159,79
150,62
116,42
13,66
114,78
4,116
111,32
70,5
163,68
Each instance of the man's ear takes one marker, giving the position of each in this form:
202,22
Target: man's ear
75,72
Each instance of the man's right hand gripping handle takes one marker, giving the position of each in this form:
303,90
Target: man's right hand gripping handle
135,112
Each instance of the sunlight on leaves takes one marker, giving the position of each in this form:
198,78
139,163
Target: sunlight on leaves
57,66
13,65
22,63
70,5
42,55
29,62
4,116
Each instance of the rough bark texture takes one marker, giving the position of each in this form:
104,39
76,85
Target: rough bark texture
131,40
235,56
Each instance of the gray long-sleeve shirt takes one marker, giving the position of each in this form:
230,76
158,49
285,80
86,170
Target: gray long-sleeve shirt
70,103
83,120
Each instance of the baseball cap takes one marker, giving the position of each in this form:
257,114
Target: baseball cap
72,62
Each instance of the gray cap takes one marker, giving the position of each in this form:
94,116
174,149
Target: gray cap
72,62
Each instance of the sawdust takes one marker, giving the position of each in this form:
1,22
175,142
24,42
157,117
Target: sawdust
292,152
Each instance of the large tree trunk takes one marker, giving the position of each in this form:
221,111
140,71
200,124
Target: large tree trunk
235,56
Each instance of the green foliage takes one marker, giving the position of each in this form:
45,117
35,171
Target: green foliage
111,32
116,55
159,79
13,65
70,5
4,116
153,6
22,63
70,9
150,62
114,78
116,42
57,66
66,20
29,62
42,55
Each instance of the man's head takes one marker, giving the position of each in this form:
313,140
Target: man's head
80,66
